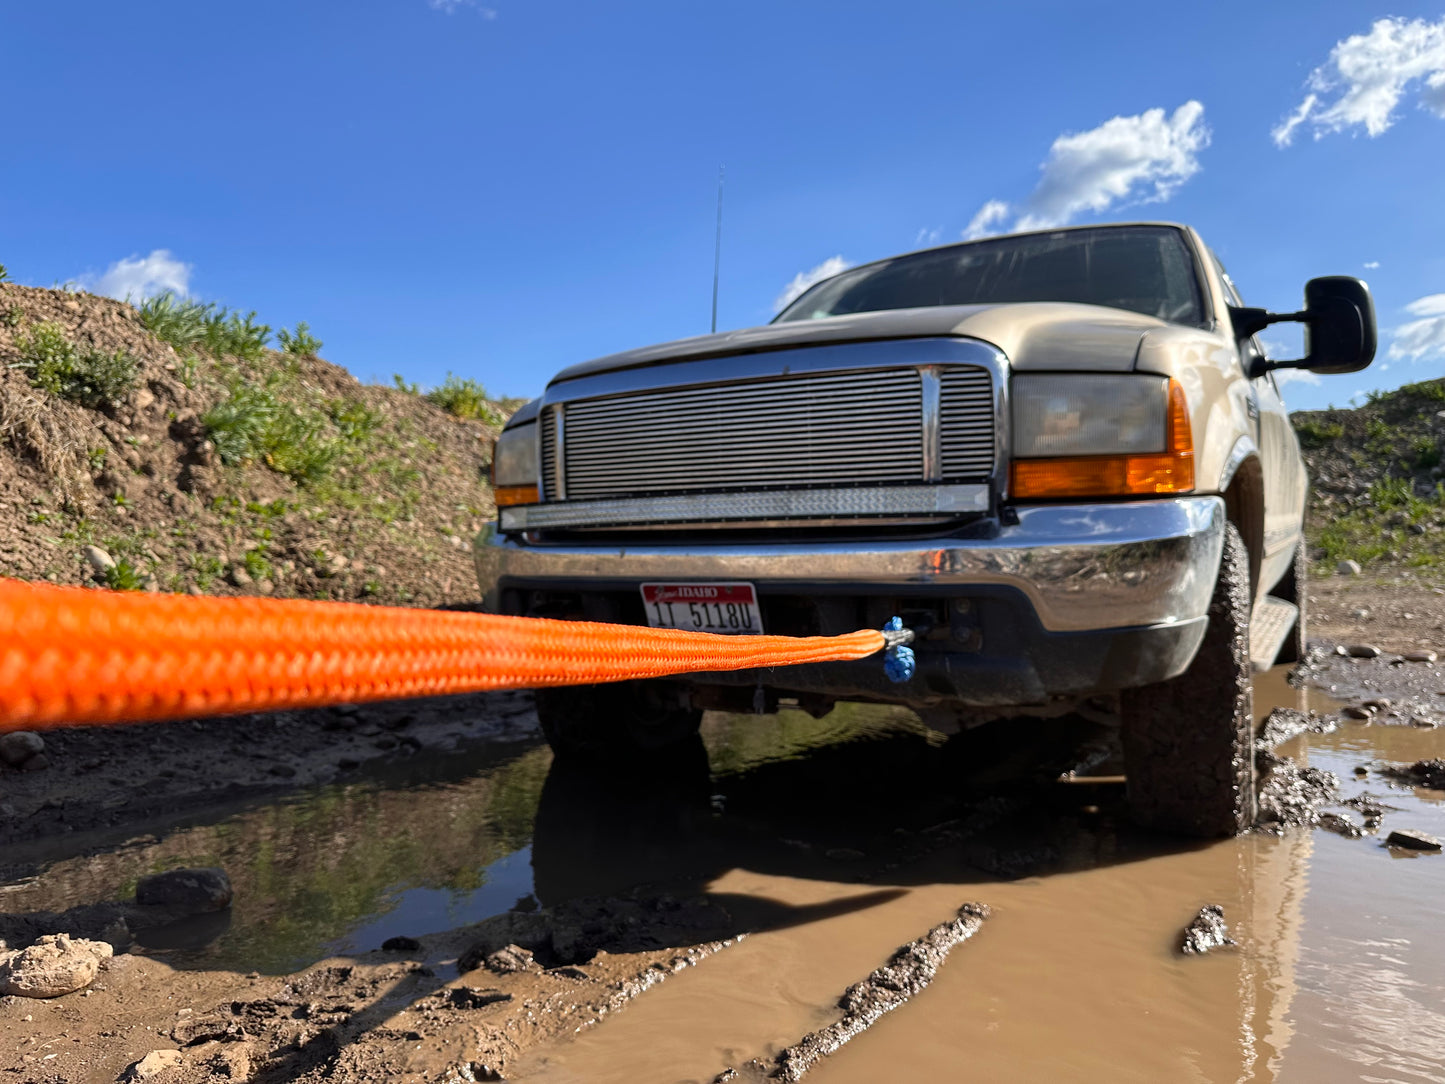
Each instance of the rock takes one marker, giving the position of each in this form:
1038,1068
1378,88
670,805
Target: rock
154,1064
20,745
144,399
510,959
1207,932
1362,651
1411,840
1420,656
38,763
190,891
1356,711
56,964
474,997
1343,826
1360,615
400,944
1415,528
1348,568
265,587
98,559
239,576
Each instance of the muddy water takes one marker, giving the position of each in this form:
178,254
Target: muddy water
1338,975
831,842
337,869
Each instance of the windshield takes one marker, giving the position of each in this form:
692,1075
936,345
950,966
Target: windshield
1144,269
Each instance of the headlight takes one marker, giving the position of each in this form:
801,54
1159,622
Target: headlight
514,466
1099,435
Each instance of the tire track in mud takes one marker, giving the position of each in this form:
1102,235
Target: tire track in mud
906,974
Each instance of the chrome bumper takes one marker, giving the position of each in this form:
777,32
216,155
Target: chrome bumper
1083,567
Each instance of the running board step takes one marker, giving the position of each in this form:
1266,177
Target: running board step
1273,620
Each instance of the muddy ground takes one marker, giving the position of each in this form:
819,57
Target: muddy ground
421,895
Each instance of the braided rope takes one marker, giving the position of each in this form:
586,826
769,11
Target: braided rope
73,656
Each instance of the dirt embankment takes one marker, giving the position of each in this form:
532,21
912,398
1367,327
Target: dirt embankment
1375,484
178,452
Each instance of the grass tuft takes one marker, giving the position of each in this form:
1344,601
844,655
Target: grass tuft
89,377
299,342
123,576
186,324
253,425
465,398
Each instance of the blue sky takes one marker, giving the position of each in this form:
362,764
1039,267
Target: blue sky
504,187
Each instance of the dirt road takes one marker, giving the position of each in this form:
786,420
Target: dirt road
420,894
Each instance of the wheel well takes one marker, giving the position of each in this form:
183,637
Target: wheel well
1244,507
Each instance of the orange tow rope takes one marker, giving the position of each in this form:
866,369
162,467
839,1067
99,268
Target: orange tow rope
74,656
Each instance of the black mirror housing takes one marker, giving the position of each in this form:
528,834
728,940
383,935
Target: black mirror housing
1339,317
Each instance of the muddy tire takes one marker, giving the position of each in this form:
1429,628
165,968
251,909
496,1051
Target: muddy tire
1291,589
615,721
1189,742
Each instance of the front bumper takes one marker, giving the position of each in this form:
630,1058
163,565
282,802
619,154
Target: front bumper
1069,600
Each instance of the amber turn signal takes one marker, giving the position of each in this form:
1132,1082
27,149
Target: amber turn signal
508,495
1169,471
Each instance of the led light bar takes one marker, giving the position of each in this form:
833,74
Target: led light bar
957,500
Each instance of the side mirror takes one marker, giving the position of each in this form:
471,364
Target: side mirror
1339,319
1339,325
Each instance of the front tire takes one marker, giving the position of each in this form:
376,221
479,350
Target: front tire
1189,742
616,721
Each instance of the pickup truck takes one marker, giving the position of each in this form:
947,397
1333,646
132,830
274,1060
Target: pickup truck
1060,456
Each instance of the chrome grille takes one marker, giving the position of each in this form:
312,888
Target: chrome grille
965,424
551,482
849,428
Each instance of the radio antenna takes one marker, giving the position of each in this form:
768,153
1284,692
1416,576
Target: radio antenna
717,249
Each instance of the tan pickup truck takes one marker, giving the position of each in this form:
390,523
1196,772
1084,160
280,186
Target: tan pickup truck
1061,457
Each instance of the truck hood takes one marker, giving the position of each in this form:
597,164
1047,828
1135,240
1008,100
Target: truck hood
1033,335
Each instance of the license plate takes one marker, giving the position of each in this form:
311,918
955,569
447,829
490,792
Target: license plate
730,608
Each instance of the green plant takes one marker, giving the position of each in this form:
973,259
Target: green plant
405,385
1389,493
252,425
206,568
1425,453
4,274
463,397
185,323
123,576
174,319
89,377
14,316
231,333
299,342
96,458
1314,434
352,418
120,500
256,564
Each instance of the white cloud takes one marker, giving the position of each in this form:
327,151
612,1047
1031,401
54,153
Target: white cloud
1424,336
1295,376
1365,77
806,279
140,277
927,237
1138,159
989,215
451,7
1370,265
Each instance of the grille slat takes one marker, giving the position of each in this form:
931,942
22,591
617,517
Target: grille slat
857,427
966,423
551,481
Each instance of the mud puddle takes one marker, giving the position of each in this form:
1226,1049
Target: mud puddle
1077,974
811,850
335,870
